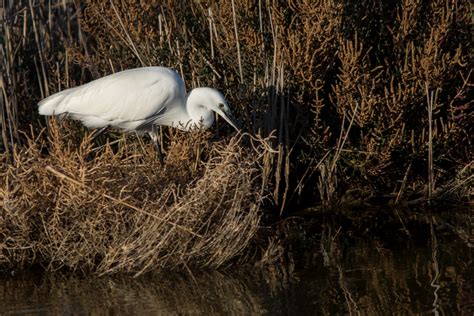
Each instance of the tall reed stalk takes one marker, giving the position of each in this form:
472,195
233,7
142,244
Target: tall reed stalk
430,101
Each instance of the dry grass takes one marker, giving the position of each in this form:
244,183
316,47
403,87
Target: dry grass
342,87
117,209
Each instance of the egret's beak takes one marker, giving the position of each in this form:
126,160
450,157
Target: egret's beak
230,119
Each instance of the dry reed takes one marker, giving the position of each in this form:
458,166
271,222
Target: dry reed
117,209
340,86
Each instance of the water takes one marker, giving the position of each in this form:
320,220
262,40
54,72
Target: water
340,275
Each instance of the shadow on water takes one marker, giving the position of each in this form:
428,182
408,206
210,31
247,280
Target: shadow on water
339,275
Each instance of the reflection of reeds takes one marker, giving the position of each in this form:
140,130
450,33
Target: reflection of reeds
372,277
204,293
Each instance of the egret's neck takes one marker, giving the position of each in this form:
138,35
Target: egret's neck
200,116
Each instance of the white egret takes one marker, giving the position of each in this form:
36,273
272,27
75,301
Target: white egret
139,100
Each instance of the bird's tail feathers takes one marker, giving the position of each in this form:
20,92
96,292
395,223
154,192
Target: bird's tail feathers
52,104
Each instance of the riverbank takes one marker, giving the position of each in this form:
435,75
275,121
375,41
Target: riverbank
114,208
339,272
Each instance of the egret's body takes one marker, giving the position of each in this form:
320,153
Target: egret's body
139,99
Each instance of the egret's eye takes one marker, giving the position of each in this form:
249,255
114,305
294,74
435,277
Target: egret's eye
221,105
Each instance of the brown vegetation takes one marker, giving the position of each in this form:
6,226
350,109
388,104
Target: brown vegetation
361,99
115,208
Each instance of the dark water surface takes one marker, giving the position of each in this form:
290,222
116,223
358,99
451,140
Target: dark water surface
341,276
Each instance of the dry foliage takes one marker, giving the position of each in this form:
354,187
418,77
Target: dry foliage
117,209
364,99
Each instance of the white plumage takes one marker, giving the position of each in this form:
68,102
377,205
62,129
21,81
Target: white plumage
139,99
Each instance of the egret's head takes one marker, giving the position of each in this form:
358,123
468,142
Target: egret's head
214,101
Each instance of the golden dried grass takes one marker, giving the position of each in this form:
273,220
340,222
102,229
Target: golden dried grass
116,209
342,86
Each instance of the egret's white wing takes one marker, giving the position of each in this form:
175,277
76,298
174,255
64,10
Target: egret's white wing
108,100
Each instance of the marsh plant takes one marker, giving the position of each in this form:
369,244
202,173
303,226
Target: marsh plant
341,101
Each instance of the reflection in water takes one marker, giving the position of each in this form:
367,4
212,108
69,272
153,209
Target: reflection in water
343,276
434,280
